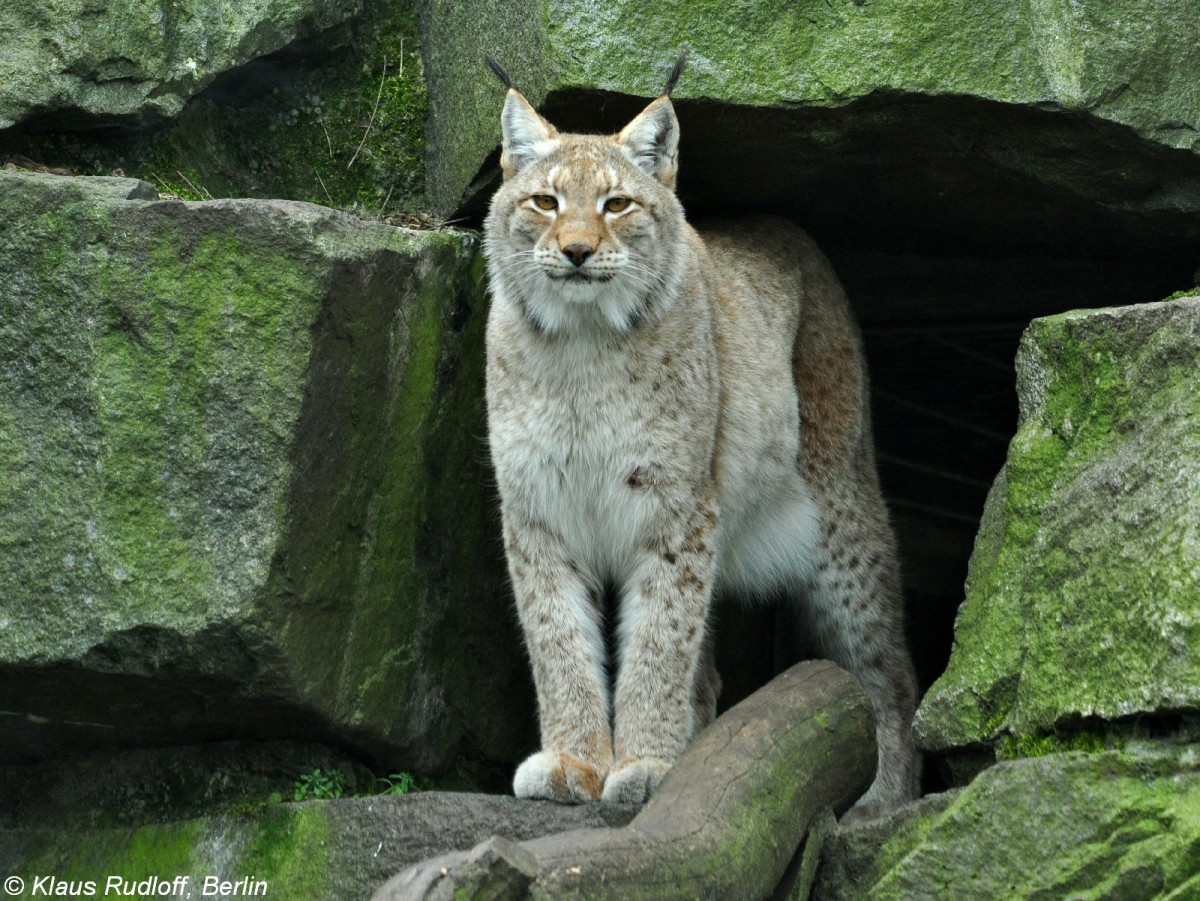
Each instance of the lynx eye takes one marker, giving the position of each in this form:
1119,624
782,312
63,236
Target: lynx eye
545,202
617,204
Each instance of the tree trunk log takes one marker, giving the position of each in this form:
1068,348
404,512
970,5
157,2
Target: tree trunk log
724,823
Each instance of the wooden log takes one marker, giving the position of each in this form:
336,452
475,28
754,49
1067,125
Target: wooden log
724,823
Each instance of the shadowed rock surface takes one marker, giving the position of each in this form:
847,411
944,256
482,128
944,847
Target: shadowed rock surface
241,468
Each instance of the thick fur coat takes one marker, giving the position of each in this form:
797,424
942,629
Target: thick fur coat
672,413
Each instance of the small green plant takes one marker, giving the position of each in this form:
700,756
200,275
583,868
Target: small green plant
320,784
399,784
1186,292
185,189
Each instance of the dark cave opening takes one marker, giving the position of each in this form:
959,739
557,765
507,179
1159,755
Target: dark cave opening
952,221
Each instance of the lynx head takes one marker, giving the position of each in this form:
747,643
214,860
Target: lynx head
586,231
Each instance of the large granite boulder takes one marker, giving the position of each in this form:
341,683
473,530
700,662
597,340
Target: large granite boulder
243,488
1068,712
297,99
1083,600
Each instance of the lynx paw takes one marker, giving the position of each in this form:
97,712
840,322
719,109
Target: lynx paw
558,776
634,779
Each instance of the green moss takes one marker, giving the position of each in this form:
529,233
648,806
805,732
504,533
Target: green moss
844,46
1013,747
1179,295
290,848
286,846
1096,825
1081,600
164,851
201,320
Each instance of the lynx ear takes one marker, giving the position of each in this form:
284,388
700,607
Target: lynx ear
652,140
527,136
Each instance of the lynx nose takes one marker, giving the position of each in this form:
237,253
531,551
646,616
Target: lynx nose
577,252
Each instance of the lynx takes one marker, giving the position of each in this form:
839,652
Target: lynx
673,414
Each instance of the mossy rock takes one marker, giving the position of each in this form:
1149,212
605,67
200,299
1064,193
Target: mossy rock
1125,62
318,850
333,112
1118,824
138,59
243,489
1083,597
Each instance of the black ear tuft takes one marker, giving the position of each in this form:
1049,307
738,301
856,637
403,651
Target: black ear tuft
500,73
675,73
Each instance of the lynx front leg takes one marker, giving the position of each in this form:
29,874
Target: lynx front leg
661,634
566,650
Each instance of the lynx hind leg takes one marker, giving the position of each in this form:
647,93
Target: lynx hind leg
856,606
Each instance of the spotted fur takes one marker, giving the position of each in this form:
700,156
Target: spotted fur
672,414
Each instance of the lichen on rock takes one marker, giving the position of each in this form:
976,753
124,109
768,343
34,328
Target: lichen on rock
1089,826
1121,61
1083,600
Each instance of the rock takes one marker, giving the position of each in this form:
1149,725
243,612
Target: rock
313,850
243,485
103,789
941,126
1119,824
725,822
335,116
1083,598
141,61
